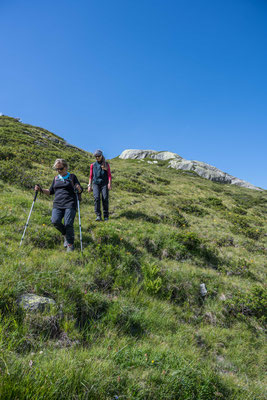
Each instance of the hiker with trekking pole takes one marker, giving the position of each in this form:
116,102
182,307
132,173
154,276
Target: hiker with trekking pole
100,182
67,190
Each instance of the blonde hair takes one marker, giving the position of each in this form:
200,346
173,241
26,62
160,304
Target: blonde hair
61,161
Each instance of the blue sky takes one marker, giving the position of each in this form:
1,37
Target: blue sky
186,76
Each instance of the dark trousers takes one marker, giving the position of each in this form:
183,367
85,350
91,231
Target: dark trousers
67,229
97,191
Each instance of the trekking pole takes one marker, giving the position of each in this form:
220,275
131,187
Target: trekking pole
27,223
78,203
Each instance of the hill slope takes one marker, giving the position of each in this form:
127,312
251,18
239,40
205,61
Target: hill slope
129,322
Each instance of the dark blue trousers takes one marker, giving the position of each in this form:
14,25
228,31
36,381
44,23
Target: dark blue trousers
97,191
67,229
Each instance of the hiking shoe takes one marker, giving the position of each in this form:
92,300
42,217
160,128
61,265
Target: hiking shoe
70,247
106,219
98,218
65,242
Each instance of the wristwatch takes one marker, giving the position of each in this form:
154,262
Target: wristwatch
89,184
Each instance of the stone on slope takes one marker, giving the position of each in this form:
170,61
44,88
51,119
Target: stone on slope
32,302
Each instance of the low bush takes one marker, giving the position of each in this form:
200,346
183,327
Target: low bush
189,207
246,200
127,318
253,303
139,215
181,246
213,202
250,232
153,278
239,210
43,237
239,267
177,219
133,185
7,218
90,306
226,241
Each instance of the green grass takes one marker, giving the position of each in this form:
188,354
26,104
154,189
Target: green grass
129,322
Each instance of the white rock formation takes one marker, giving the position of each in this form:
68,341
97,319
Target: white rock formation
156,155
177,162
210,172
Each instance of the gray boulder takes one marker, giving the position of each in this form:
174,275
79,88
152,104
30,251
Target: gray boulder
135,154
32,302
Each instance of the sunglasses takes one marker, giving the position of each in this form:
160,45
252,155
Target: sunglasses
59,169
98,156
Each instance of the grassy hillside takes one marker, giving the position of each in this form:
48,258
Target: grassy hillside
129,322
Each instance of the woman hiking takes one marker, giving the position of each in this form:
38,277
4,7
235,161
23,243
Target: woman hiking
63,187
100,182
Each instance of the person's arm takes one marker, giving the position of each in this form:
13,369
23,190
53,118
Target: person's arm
77,184
109,178
41,190
90,179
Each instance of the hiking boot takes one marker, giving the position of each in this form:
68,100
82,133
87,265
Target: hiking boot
98,218
105,218
65,241
70,247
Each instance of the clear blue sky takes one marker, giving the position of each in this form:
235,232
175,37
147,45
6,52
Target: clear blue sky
187,76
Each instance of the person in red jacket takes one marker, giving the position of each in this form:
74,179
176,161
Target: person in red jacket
100,182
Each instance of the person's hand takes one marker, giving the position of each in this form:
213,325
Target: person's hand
37,188
78,187
90,189
109,186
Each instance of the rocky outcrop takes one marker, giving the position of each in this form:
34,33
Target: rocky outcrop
156,155
210,172
177,162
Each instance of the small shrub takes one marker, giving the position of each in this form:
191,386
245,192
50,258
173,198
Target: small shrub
250,232
133,186
43,238
239,210
7,218
178,220
247,200
238,267
12,171
180,292
241,226
189,207
90,307
106,255
129,214
213,202
127,319
226,241
153,279
253,303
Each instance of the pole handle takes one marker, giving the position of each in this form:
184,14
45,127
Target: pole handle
36,194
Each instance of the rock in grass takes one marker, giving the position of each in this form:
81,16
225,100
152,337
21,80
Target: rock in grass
32,302
203,290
